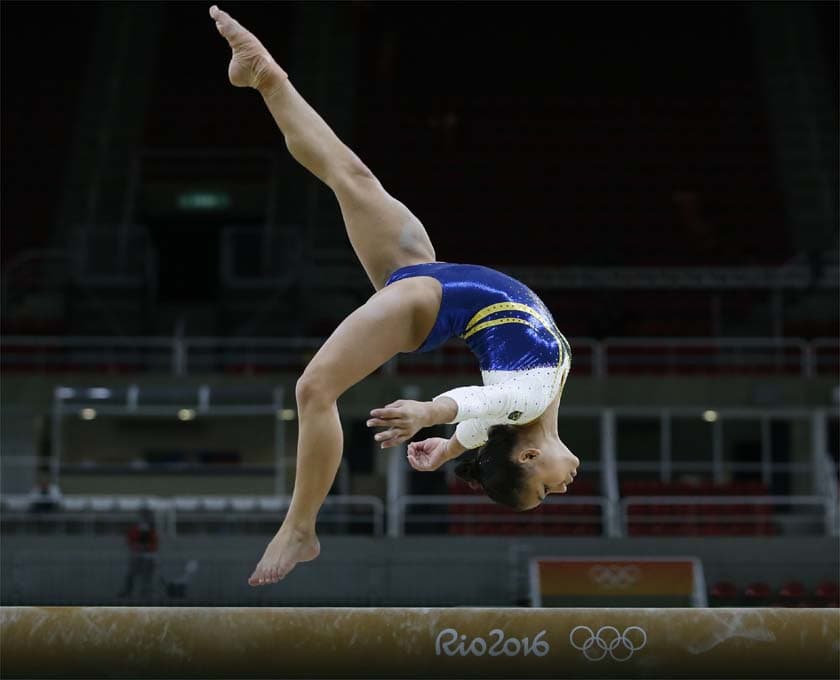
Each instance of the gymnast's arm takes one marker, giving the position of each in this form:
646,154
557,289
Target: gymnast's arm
474,408
405,417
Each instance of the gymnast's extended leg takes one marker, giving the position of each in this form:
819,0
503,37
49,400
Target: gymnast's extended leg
385,236
384,233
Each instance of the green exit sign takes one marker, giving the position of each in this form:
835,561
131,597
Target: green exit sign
204,200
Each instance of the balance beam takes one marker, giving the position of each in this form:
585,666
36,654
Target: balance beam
223,642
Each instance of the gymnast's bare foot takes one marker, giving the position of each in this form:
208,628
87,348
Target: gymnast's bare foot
286,549
251,64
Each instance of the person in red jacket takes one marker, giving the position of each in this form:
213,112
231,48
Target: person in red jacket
142,542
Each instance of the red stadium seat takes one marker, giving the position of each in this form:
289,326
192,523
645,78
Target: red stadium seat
758,594
792,591
724,594
827,594
695,516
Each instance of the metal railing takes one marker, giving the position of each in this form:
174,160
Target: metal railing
708,355
745,515
808,512
186,355
824,356
445,516
749,513
100,354
795,275
208,512
209,354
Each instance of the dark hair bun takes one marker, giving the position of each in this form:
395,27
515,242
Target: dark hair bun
467,470
493,469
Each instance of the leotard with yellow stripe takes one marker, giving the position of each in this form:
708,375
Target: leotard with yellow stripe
524,359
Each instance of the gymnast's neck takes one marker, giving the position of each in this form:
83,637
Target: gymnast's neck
544,428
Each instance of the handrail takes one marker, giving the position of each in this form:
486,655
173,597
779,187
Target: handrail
710,278
112,508
81,506
815,358
779,347
628,501
807,358
89,340
403,502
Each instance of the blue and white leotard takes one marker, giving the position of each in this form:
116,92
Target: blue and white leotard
524,359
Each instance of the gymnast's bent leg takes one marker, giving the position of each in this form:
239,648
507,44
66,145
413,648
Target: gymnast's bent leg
385,236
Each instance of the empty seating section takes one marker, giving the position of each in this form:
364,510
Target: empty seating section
38,135
698,519
55,189
550,519
202,111
621,175
794,593
454,356
828,593
603,313
734,515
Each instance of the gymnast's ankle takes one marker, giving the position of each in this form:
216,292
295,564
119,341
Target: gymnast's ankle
300,530
271,81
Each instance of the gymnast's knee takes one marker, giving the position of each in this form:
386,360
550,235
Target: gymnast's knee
350,176
314,390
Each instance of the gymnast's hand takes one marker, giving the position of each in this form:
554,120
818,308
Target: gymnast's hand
429,454
402,418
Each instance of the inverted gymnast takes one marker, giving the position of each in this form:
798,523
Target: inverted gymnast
419,303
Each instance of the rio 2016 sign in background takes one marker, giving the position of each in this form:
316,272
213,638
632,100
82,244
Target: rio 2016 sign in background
219,642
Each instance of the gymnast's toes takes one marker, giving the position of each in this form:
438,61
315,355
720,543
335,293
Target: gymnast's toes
251,65
258,578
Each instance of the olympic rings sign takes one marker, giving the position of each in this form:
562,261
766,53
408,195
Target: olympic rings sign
615,575
607,640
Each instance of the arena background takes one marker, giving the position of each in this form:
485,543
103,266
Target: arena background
664,175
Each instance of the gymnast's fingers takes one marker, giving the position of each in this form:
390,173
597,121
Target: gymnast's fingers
387,413
378,422
415,450
386,435
395,437
395,404
419,464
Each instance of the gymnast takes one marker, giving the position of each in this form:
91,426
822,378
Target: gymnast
418,304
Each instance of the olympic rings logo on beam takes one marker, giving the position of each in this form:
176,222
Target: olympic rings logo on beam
619,646
615,575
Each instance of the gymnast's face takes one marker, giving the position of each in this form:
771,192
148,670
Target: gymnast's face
549,469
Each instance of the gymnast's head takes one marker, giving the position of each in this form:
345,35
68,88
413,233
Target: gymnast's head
518,470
